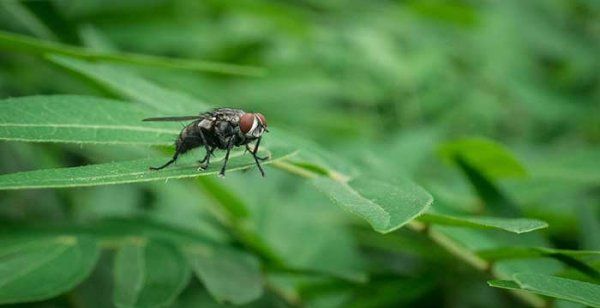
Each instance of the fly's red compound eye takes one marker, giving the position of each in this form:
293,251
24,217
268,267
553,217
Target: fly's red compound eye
246,122
262,119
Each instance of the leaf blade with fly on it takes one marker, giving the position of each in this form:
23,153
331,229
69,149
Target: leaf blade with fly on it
128,171
79,119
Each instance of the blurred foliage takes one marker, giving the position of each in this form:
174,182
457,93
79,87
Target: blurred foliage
492,107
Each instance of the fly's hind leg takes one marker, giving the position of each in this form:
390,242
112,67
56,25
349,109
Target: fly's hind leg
167,163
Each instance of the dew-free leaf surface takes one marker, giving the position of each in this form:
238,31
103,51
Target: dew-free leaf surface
515,225
562,288
130,171
532,252
487,156
127,84
80,119
229,275
33,269
572,258
22,43
148,274
385,206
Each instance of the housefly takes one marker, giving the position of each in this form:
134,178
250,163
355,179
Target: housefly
221,128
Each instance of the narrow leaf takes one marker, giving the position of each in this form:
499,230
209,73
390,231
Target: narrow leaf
232,203
504,284
567,289
21,43
567,257
515,225
81,119
229,275
490,157
129,171
127,84
532,252
385,206
33,269
148,274
493,197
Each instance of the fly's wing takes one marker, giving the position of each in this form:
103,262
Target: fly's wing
172,119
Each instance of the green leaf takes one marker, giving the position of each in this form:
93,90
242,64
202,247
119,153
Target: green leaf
312,157
128,85
532,252
492,196
568,257
229,275
129,171
20,14
148,274
21,43
504,284
80,119
488,156
33,269
562,288
232,203
515,225
385,206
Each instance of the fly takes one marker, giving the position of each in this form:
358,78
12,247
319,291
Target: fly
221,128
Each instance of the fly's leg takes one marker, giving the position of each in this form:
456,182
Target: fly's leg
229,146
256,151
256,159
167,163
209,151
206,160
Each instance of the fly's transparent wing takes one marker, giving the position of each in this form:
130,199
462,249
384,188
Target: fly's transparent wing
172,119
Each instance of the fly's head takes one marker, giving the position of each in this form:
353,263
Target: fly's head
253,125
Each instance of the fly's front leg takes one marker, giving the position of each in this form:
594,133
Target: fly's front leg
229,146
256,159
256,151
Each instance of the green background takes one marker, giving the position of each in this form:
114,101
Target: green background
423,154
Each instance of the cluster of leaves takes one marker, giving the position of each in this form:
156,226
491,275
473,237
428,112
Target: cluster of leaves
362,108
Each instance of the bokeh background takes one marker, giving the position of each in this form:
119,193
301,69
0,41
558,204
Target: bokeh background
381,84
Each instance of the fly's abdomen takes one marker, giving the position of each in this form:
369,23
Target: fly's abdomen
189,138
